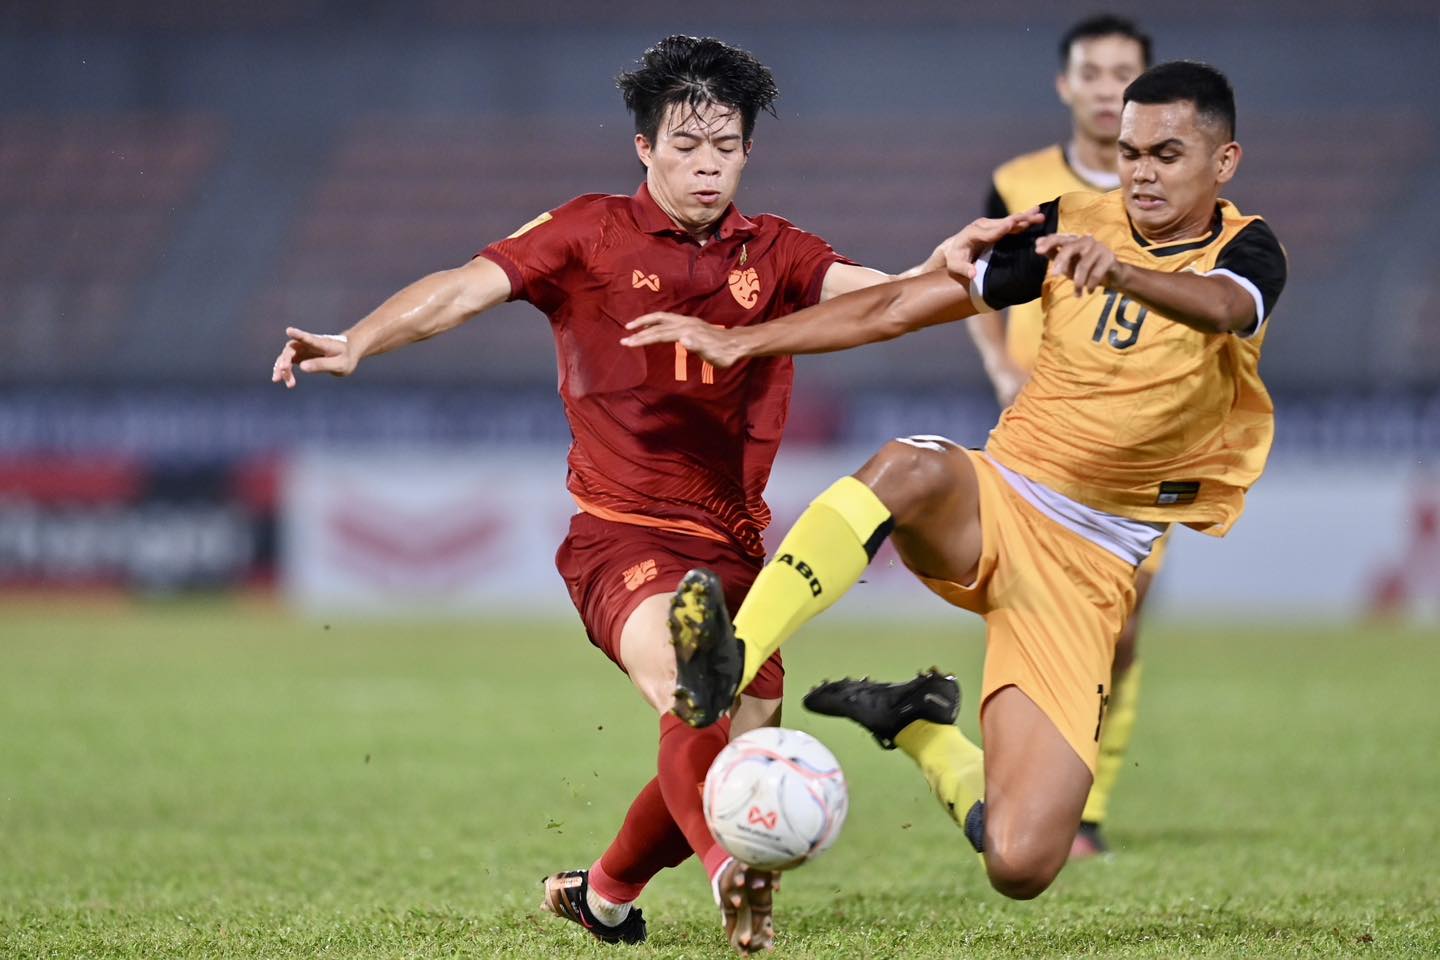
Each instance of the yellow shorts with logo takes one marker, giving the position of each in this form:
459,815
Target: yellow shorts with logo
1054,604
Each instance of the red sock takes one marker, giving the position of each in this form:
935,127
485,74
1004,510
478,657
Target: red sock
648,842
685,757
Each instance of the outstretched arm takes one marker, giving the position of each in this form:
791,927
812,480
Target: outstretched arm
425,308
867,315
843,278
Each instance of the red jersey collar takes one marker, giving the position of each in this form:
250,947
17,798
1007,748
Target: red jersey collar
651,219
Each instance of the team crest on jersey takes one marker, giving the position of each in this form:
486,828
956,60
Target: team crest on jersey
745,287
650,281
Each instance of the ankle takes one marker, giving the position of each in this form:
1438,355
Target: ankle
606,911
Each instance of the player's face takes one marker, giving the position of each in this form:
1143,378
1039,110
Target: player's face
1094,80
695,163
1172,165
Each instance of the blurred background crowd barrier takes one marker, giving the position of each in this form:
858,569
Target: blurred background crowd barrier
180,181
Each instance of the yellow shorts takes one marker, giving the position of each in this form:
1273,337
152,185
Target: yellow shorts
1054,604
1152,564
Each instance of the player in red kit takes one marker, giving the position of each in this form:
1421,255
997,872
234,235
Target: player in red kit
669,455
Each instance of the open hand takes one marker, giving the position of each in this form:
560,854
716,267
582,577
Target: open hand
715,344
313,353
959,253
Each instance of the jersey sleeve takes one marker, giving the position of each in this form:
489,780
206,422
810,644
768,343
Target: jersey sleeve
995,207
807,259
1011,272
537,256
1254,259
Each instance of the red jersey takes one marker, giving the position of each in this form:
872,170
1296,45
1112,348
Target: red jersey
659,438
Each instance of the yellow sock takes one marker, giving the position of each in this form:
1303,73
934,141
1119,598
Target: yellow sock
1114,741
821,557
953,766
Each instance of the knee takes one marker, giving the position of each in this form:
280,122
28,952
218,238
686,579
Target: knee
1022,871
659,694
654,678
646,653
908,473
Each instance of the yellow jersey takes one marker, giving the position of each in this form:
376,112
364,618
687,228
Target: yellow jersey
1127,411
1020,184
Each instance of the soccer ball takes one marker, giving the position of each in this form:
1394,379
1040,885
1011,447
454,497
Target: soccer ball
775,798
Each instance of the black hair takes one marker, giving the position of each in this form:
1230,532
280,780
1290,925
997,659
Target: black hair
696,71
1104,25
1188,80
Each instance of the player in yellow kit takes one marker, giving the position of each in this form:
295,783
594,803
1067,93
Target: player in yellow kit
1099,57
1145,409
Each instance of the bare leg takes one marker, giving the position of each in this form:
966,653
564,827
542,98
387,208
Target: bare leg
931,490
1035,783
650,660
685,754
754,713
1035,788
646,652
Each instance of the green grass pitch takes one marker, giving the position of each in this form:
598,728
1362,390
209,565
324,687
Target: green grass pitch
217,781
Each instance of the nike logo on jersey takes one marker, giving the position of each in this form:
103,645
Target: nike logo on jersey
649,281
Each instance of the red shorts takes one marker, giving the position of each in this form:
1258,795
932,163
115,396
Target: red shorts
611,567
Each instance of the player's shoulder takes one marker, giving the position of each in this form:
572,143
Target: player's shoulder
771,228
1090,201
1088,209
1233,221
588,216
592,205
1028,166
1248,233
772,223
571,216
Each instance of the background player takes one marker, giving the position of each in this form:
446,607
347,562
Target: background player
1099,56
1145,409
670,456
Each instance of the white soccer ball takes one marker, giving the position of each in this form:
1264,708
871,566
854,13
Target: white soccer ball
775,798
